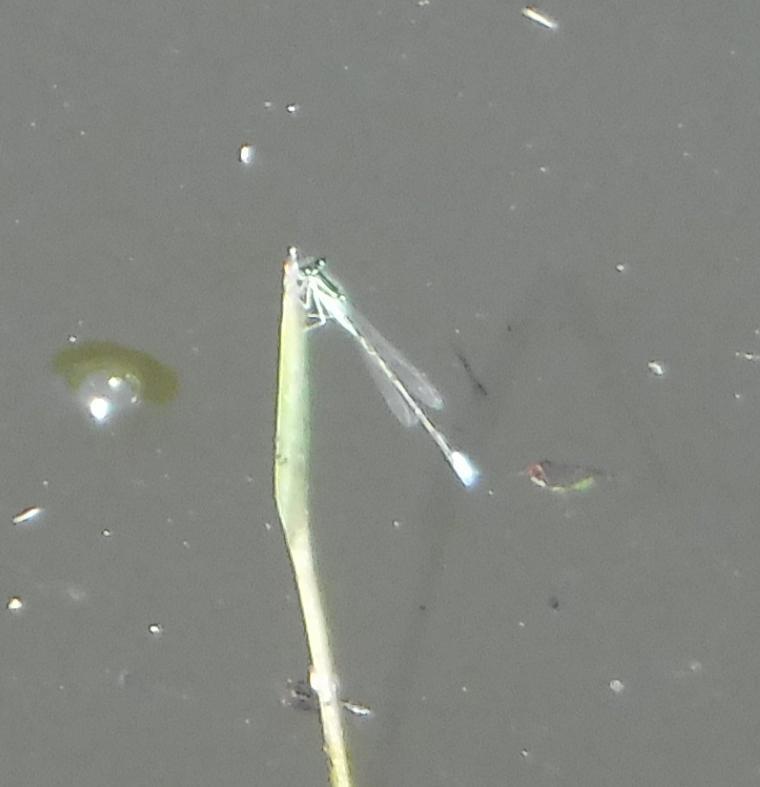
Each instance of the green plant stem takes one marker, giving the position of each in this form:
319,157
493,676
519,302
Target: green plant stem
291,488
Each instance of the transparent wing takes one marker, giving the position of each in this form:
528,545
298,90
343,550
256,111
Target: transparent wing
411,377
393,398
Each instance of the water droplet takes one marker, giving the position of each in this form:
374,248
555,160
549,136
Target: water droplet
656,368
15,603
155,629
617,686
247,154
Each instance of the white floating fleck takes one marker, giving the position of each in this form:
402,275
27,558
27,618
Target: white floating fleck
292,109
27,515
747,356
356,709
76,593
247,154
656,368
539,17
15,603
621,267
617,686
156,629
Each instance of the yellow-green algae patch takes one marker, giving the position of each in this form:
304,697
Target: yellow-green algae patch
150,379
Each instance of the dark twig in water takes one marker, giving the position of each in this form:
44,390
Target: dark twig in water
479,387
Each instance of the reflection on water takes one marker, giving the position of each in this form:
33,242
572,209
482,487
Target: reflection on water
110,379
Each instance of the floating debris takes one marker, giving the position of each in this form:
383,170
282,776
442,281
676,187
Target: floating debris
15,603
747,356
27,515
558,477
301,695
539,17
656,369
247,154
121,367
476,383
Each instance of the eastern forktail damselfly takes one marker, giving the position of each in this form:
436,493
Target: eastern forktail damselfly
404,388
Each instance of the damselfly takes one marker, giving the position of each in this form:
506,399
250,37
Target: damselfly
404,388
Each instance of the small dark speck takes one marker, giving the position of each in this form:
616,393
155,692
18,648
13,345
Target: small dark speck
423,608
554,602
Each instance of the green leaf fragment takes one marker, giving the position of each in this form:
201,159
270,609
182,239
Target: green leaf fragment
561,478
